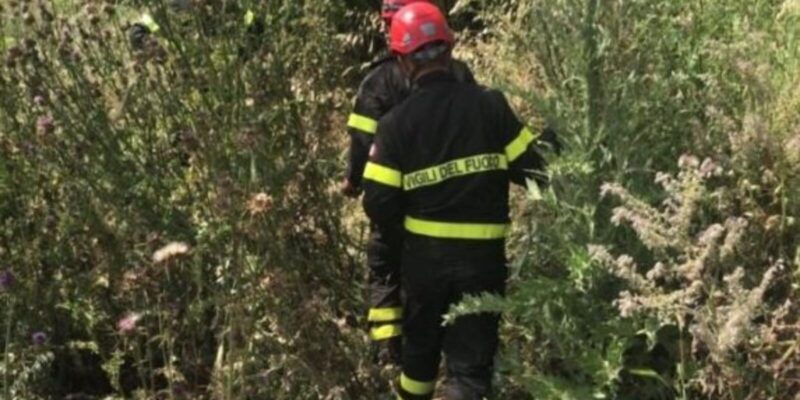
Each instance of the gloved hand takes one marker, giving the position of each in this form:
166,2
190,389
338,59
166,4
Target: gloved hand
550,138
350,190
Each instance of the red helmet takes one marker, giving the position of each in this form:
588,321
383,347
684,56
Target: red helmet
416,25
390,7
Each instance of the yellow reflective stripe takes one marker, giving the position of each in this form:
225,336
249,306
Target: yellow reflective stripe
148,21
520,144
419,388
249,18
456,230
362,123
454,168
385,314
385,175
385,332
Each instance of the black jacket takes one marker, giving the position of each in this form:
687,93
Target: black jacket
382,89
444,158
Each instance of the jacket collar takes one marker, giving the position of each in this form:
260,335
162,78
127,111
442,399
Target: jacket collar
435,77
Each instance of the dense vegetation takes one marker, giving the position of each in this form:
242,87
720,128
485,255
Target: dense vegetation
170,225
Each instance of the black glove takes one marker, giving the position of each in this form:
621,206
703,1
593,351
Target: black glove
550,138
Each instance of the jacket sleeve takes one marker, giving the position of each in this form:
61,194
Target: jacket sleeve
521,147
383,180
362,124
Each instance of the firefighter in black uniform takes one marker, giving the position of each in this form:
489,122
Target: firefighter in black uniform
441,166
145,27
384,87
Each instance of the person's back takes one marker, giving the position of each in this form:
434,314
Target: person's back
442,162
441,165
384,87
458,171
454,144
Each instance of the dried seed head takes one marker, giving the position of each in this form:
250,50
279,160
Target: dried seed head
687,161
773,223
657,272
792,149
170,251
710,168
260,204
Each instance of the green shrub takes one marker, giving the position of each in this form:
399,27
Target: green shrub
168,212
632,86
170,221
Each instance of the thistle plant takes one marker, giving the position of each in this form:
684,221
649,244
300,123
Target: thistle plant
707,278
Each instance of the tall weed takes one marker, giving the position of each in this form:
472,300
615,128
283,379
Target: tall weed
168,212
632,86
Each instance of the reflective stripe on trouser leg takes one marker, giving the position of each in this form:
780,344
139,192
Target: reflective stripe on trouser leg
383,259
383,332
387,314
412,389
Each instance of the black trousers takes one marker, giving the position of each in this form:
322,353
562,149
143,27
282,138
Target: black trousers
384,252
438,273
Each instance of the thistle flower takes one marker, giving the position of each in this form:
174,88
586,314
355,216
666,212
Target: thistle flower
45,125
39,338
7,281
127,325
170,251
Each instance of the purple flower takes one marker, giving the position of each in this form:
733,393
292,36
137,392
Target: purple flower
39,338
7,281
127,325
45,124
